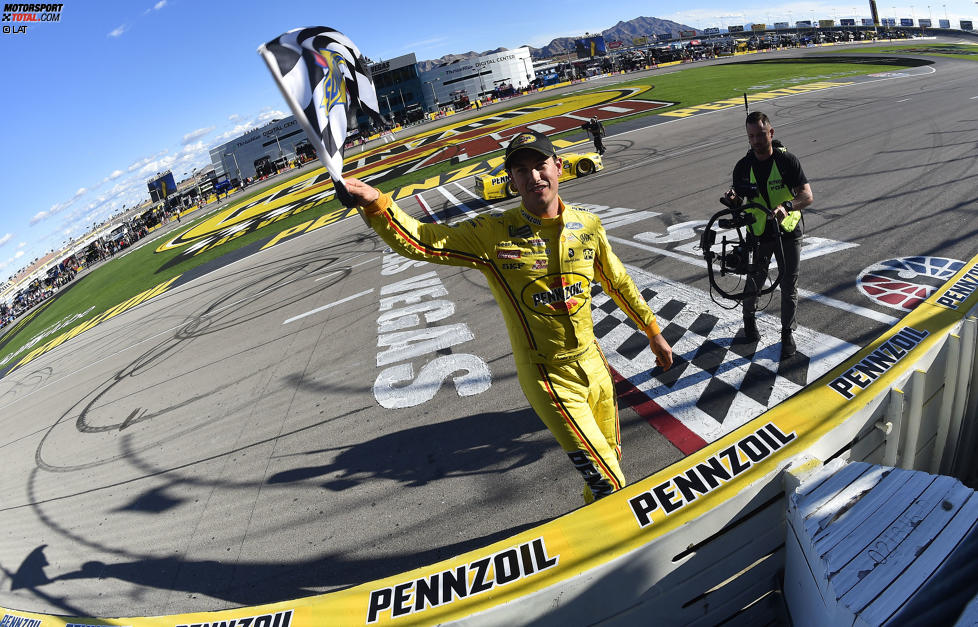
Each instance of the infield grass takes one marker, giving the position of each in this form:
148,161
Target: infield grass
952,51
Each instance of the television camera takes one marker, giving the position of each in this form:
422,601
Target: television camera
737,254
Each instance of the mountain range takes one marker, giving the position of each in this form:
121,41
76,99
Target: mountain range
622,31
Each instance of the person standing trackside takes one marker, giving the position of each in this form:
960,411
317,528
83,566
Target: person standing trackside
596,129
540,259
784,189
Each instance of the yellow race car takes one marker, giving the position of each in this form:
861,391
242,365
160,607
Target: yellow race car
496,184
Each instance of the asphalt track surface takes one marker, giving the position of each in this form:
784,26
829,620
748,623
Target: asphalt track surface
224,444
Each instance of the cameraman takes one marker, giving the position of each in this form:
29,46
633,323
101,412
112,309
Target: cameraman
596,129
783,188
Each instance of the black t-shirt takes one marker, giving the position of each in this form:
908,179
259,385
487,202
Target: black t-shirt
789,166
595,127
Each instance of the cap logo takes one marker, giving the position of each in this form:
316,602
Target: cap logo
525,138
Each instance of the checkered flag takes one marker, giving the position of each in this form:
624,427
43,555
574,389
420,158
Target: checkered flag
325,79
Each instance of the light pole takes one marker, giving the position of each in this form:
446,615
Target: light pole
235,166
280,153
196,185
227,171
482,84
434,97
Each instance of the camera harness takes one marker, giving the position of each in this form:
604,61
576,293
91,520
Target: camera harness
737,256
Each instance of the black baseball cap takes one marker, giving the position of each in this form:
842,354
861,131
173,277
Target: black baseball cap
530,140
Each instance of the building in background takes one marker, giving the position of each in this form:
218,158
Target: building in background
261,151
399,90
498,74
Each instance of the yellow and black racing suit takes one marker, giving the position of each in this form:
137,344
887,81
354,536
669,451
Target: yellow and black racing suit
540,272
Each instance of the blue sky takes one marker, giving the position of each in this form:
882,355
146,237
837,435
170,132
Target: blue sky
114,92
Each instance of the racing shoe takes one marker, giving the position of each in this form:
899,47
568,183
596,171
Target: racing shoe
788,347
750,330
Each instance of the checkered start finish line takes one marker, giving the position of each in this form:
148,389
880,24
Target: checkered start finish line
719,380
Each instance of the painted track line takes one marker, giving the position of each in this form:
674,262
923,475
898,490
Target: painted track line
805,294
325,307
426,208
459,205
681,436
465,189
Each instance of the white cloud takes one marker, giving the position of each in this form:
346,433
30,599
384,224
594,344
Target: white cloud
241,128
118,31
6,238
18,254
115,174
159,5
21,245
195,148
194,135
161,164
58,207
272,114
138,164
238,129
142,162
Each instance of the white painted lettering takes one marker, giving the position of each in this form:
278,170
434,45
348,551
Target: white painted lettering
406,345
471,376
407,317
394,263
402,338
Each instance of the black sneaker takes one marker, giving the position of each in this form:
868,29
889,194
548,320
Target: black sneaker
788,347
750,330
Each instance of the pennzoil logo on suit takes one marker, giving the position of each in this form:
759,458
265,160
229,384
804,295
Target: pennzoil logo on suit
557,294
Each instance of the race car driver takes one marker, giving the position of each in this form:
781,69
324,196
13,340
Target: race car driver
540,259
